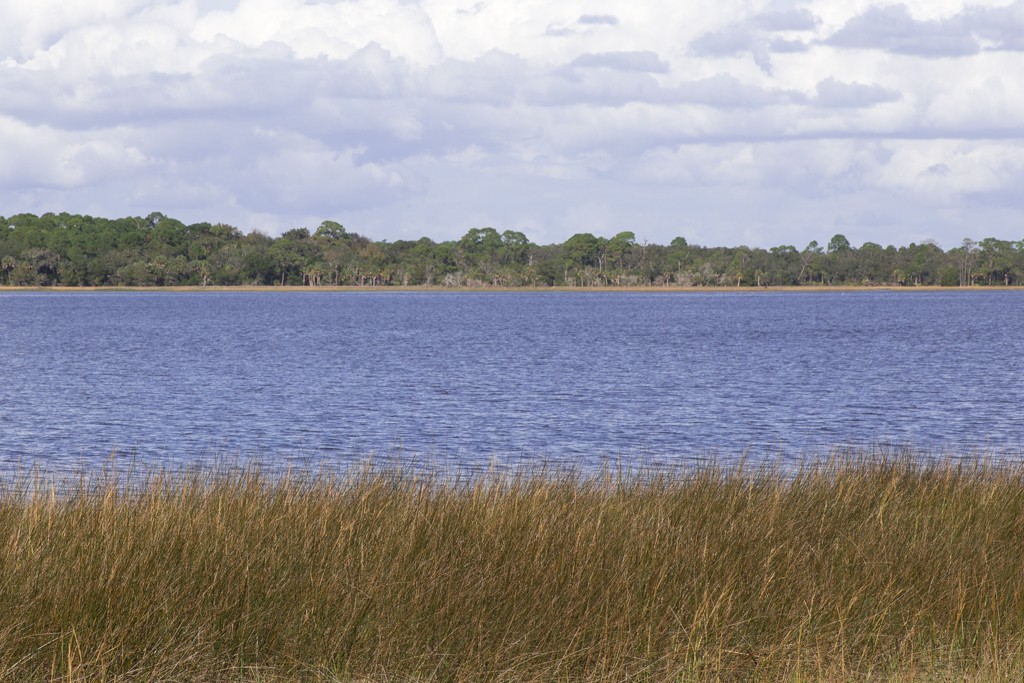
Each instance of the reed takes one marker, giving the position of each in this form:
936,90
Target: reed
862,568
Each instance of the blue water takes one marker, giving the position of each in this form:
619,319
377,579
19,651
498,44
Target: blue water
464,379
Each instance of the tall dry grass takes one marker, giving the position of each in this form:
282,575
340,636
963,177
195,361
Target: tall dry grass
871,569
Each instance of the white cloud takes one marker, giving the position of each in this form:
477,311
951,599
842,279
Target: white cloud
598,20
728,92
44,158
643,61
941,171
748,118
894,28
833,93
989,100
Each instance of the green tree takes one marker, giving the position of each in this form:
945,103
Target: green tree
258,263
838,243
7,264
784,265
809,260
579,252
293,251
967,256
996,261
515,247
330,231
619,248
480,251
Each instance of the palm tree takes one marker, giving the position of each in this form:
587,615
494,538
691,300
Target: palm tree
7,264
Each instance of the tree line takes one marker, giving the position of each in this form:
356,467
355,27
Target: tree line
157,250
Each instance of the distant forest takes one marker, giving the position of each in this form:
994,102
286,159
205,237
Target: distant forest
71,250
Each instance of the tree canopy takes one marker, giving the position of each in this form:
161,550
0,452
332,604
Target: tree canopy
158,250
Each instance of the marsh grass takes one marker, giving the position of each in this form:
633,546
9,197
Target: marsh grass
857,569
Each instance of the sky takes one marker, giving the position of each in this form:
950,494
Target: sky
726,122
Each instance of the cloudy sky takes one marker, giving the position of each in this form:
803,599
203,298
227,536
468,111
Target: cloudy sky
727,122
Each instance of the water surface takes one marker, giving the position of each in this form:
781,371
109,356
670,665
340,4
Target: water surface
464,378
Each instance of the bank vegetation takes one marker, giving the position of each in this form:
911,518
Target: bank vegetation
877,568
159,251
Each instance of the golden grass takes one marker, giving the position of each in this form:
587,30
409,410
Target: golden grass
435,288
858,570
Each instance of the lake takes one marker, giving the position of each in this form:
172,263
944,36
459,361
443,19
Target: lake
465,379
